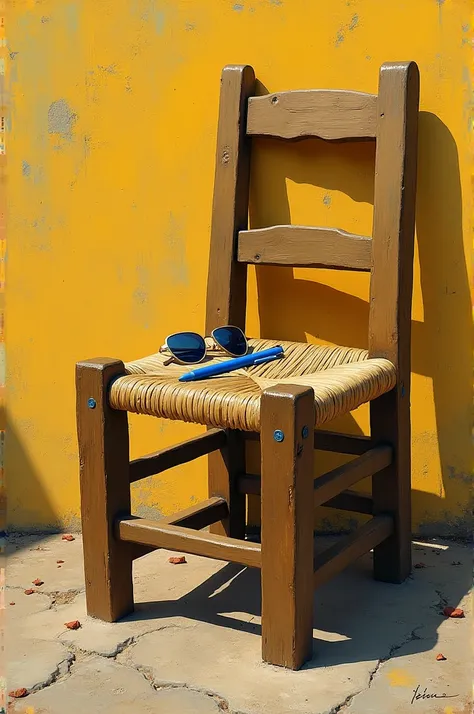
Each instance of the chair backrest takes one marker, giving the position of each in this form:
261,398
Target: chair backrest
391,119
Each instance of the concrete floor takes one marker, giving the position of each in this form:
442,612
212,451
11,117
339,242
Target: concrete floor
192,645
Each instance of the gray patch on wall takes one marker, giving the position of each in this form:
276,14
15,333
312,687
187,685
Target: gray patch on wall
61,119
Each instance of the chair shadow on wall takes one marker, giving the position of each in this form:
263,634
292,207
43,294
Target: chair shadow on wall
291,308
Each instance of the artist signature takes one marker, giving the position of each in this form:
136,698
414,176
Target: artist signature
418,694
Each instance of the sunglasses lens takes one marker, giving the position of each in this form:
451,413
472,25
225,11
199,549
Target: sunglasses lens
187,347
231,339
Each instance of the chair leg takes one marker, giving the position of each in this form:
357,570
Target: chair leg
225,466
105,491
287,427
391,488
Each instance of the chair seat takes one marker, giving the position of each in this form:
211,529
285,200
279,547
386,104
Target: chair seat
343,378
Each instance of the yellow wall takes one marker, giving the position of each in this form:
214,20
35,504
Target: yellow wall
110,172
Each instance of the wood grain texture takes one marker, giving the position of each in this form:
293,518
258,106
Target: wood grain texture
325,113
331,441
342,443
338,556
305,246
351,501
208,545
287,526
390,302
346,501
225,465
227,279
340,478
105,491
198,516
178,454
226,288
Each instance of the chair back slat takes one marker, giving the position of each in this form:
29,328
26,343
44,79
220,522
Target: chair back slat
325,113
305,246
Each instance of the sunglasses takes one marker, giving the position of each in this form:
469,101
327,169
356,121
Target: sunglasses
191,348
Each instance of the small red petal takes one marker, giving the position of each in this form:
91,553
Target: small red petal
453,612
419,565
177,560
73,625
38,582
60,561
67,536
18,693
30,591
440,657
12,603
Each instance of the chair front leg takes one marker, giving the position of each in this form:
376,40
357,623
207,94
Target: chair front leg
287,428
105,491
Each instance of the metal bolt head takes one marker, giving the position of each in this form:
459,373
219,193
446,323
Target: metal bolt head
278,435
305,432
91,403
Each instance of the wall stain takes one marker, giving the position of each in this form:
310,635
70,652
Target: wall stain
174,264
61,119
71,16
354,23
350,26
237,7
459,475
110,69
25,168
149,13
327,200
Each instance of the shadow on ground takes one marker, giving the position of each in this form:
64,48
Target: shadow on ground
367,616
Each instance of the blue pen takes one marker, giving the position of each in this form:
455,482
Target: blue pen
230,365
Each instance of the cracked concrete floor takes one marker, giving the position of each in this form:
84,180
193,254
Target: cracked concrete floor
192,646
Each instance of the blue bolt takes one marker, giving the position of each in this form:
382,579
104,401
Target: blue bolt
278,435
91,403
304,432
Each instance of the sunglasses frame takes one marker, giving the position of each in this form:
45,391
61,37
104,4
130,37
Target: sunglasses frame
217,348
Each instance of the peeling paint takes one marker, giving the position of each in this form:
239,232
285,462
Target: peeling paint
350,26
237,7
354,22
25,168
174,264
339,37
71,16
327,200
148,12
61,119
110,69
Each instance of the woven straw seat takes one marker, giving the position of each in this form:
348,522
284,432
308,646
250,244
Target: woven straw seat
343,378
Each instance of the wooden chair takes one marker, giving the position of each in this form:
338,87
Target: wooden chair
279,403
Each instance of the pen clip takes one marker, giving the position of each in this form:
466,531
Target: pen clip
267,359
